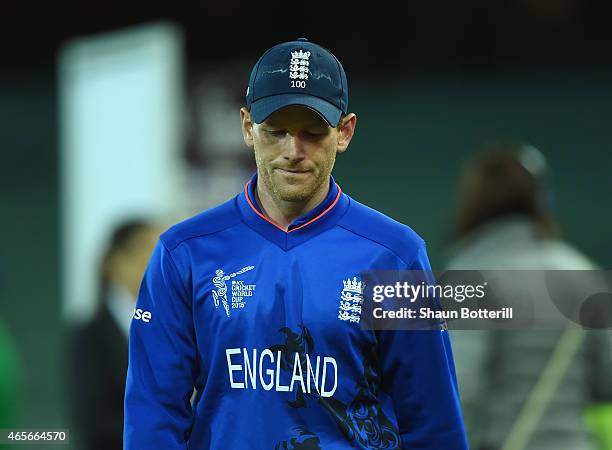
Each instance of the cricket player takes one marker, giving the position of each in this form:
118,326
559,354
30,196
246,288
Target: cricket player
256,303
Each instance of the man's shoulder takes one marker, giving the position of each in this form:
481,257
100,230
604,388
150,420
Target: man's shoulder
382,229
205,223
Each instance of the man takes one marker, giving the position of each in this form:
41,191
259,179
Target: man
98,357
243,302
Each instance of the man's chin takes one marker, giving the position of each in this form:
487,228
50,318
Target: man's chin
294,188
295,193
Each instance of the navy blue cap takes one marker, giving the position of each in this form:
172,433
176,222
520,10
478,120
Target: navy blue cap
298,73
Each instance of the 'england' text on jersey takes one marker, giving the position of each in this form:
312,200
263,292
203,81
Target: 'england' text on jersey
265,369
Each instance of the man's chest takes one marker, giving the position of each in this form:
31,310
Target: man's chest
258,296
261,292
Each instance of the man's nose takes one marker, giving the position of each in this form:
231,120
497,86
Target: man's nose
295,149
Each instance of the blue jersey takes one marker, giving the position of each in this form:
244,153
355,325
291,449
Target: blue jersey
264,324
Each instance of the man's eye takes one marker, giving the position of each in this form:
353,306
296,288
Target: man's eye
313,134
276,132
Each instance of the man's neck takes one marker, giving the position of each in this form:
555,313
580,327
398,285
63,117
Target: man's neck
284,212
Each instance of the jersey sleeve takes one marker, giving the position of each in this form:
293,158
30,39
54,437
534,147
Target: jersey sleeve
419,375
162,359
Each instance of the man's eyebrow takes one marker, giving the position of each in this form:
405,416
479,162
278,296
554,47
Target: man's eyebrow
311,124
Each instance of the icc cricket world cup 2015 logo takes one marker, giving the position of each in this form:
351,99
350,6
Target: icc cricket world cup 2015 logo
221,287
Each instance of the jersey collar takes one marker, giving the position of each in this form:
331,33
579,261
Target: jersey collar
322,217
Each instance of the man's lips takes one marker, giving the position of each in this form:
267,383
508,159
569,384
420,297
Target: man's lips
297,171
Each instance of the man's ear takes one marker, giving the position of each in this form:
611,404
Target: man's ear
346,130
247,127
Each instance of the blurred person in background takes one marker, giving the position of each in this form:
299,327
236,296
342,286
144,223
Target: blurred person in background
505,222
99,348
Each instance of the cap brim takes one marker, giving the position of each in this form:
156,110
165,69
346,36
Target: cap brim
264,107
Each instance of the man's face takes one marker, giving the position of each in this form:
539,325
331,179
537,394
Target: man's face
295,150
127,265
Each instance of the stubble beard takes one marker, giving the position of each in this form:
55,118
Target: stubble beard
299,192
